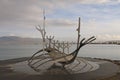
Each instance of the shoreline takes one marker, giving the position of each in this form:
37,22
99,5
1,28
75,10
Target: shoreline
14,60
9,74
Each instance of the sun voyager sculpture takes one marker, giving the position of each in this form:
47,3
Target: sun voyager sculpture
56,54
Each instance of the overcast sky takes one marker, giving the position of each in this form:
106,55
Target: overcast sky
98,17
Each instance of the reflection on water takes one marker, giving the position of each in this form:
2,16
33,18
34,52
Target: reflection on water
99,51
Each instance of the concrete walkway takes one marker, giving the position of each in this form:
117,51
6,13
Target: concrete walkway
105,69
80,65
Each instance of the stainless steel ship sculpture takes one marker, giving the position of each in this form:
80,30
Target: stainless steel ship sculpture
55,53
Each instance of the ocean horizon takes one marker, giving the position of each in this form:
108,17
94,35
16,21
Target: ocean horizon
106,51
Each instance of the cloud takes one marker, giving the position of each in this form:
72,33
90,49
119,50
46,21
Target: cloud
61,23
63,3
103,30
98,1
107,37
93,1
30,11
17,12
20,16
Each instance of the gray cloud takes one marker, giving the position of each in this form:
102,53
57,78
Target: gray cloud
30,11
61,22
23,15
23,11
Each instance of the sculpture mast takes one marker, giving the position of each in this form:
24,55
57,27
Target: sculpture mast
42,30
78,29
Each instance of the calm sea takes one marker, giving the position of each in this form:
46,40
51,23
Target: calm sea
94,51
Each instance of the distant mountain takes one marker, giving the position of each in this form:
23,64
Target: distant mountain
9,38
19,40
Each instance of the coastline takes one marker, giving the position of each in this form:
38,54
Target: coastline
13,61
7,73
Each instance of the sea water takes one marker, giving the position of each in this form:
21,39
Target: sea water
93,50
17,51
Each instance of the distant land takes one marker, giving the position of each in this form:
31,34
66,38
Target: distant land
19,40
